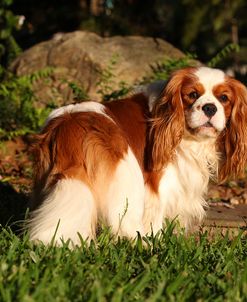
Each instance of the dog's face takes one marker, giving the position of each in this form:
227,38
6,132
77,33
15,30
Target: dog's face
208,101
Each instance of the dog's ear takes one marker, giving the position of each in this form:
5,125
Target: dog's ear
233,141
167,123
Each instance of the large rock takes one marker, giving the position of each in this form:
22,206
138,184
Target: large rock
81,57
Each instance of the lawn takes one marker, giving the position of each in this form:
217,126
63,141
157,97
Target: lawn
169,268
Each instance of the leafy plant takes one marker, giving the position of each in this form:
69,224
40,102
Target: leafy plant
18,113
122,91
78,91
9,23
223,54
163,69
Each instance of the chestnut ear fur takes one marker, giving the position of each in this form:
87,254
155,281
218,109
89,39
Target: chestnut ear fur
233,141
167,123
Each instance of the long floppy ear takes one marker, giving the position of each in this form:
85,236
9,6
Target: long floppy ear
167,123
234,140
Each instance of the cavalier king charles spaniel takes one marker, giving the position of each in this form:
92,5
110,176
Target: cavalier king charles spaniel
131,163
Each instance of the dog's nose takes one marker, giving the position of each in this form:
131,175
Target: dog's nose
209,110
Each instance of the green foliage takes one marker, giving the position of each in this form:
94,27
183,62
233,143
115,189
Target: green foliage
165,267
123,90
108,88
78,91
18,114
163,69
9,49
223,54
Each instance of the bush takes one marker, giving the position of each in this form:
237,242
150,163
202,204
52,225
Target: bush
9,23
18,114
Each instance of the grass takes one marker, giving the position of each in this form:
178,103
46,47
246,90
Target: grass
169,268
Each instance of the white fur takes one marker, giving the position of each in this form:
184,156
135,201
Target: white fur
210,77
184,183
123,204
183,186
153,214
81,107
69,208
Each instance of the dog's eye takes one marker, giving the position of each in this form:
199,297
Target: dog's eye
194,95
223,98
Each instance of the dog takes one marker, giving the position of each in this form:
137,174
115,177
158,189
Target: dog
133,162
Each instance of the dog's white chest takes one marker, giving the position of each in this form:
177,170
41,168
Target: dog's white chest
183,186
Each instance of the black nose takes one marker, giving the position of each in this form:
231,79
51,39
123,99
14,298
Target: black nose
209,110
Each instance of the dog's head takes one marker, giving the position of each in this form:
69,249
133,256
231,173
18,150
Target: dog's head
203,103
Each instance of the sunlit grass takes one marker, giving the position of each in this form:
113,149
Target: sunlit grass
166,267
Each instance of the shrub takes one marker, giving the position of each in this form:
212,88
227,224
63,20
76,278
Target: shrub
18,114
9,23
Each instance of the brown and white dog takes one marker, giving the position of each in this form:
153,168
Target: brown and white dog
131,163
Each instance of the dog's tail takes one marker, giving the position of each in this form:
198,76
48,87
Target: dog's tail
62,202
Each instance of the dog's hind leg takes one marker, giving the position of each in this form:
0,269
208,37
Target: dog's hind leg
124,200
68,209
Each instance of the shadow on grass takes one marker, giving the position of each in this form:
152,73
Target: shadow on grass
13,207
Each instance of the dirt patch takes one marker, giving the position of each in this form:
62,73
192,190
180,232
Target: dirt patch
15,181
232,192
16,164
